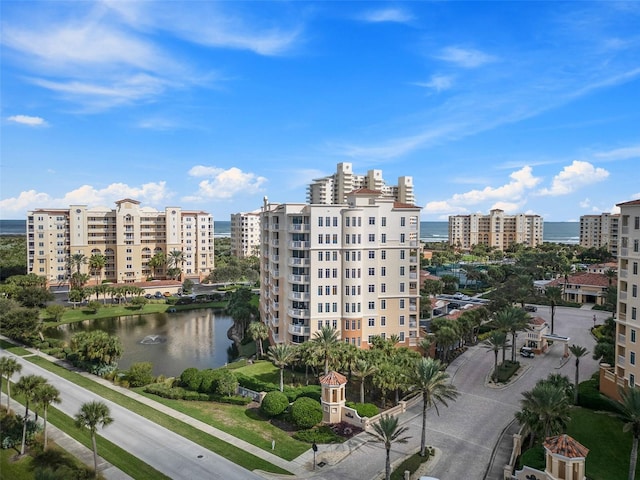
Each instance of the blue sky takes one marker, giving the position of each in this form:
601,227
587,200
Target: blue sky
528,107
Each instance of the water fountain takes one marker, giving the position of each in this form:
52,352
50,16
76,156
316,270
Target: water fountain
153,340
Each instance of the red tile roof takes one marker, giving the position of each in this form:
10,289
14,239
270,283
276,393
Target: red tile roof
584,278
538,321
333,378
631,202
566,446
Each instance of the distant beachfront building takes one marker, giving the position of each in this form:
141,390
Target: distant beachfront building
127,236
352,266
626,371
495,230
597,231
245,234
333,189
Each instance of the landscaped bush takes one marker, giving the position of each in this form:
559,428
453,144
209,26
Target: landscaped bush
506,370
174,393
140,374
274,403
364,409
190,378
309,391
225,382
254,384
206,381
590,397
411,464
306,412
321,434
534,458
232,400
345,429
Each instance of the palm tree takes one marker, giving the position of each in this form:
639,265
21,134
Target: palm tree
429,379
578,351
97,262
387,431
496,341
158,260
362,370
77,260
92,415
27,386
630,413
511,320
546,406
281,355
446,336
175,258
326,340
259,332
554,295
45,395
8,366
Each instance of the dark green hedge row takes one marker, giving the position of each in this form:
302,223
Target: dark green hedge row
506,370
252,383
412,464
590,397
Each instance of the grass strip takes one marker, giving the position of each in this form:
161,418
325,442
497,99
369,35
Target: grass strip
15,349
222,448
239,422
16,469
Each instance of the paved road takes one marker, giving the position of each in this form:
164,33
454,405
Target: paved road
171,454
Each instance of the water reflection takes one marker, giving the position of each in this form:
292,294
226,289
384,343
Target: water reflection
172,342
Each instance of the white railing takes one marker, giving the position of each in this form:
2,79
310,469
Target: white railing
620,361
299,227
299,330
299,244
299,278
305,296
299,313
299,261
621,338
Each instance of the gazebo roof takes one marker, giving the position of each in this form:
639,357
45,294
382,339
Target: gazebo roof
333,378
566,446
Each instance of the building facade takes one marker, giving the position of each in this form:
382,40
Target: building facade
127,236
351,266
333,189
597,231
495,230
245,234
626,370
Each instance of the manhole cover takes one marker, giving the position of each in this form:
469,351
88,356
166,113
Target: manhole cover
322,464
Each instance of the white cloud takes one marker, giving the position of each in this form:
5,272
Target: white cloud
224,184
28,120
619,154
153,193
509,207
586,203
521,181
573,177
387,15
465,57
438,82
443,207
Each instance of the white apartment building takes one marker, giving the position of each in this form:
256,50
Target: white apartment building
352,266
245,234
333,189
597,231
627,355
127,236
496,230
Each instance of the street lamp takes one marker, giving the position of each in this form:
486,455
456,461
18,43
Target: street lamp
314,447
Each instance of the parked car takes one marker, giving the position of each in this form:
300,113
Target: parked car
530,308
527,352
458,295
158,295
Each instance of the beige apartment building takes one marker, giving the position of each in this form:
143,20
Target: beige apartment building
626,370
127,236
245,234
334,189
496,230
597,231
353,266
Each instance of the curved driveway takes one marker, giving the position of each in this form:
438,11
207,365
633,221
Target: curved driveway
171,454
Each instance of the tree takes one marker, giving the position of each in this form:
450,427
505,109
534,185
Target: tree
8,367
56,311
387,431
363,369
630,414
158,260
281,355
259,332
496,341
578,351
97,262
175,259
429,379
27,386
546,408
77,260
93,415
21,324
326,341
554,296
45,395
97,347
511,320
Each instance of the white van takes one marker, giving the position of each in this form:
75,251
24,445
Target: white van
527,352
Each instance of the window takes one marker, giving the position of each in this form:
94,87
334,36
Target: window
636,223
634,313
383,271
320,256
334,324
335,221
334,238
372,220
402,270
334,289
335,254
401,336
402,238
353,290
327,238
383,304
635,268
327,307
402,254
346,324
401,319
383,287
372,271
403,221
319,221
319,273
383,321
383,254
632,358
383,238
319,308
335,307
633,336
320,238
634,291
372,322
346,307
372,254
636,245
334,273
327,221
372,237
401,286
372,305
346,221
346,238
319,324
372,288
402,303
383,221
327,290
632,379
319,289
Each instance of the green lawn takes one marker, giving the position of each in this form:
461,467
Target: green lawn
10,347
231,452
609,447
15,470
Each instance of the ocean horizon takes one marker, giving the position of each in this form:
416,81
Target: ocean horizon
554,232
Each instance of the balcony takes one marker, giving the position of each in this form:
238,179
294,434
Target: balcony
299,244
621,338
303,296
299,313
299,227
296,262
275,290
275,305
299,278
299,330
620,360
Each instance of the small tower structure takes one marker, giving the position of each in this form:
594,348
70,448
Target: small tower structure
333,396
565,458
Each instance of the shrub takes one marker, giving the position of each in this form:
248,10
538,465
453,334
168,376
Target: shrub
309,391
321,434
506,370
274,403
207,379
232,400
225,382
366,409
140,374
590,397
411,464
306,412
189,377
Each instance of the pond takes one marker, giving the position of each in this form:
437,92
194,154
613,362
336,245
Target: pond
172,342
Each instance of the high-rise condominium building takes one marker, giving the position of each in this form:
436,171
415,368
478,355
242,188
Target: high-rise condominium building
352,266
627,350
127,236
333,190
495,230
597,231
245,234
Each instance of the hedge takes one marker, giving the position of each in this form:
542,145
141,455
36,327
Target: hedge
590,397
274,403
412,464
306,412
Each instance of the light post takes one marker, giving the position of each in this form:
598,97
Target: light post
314,447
